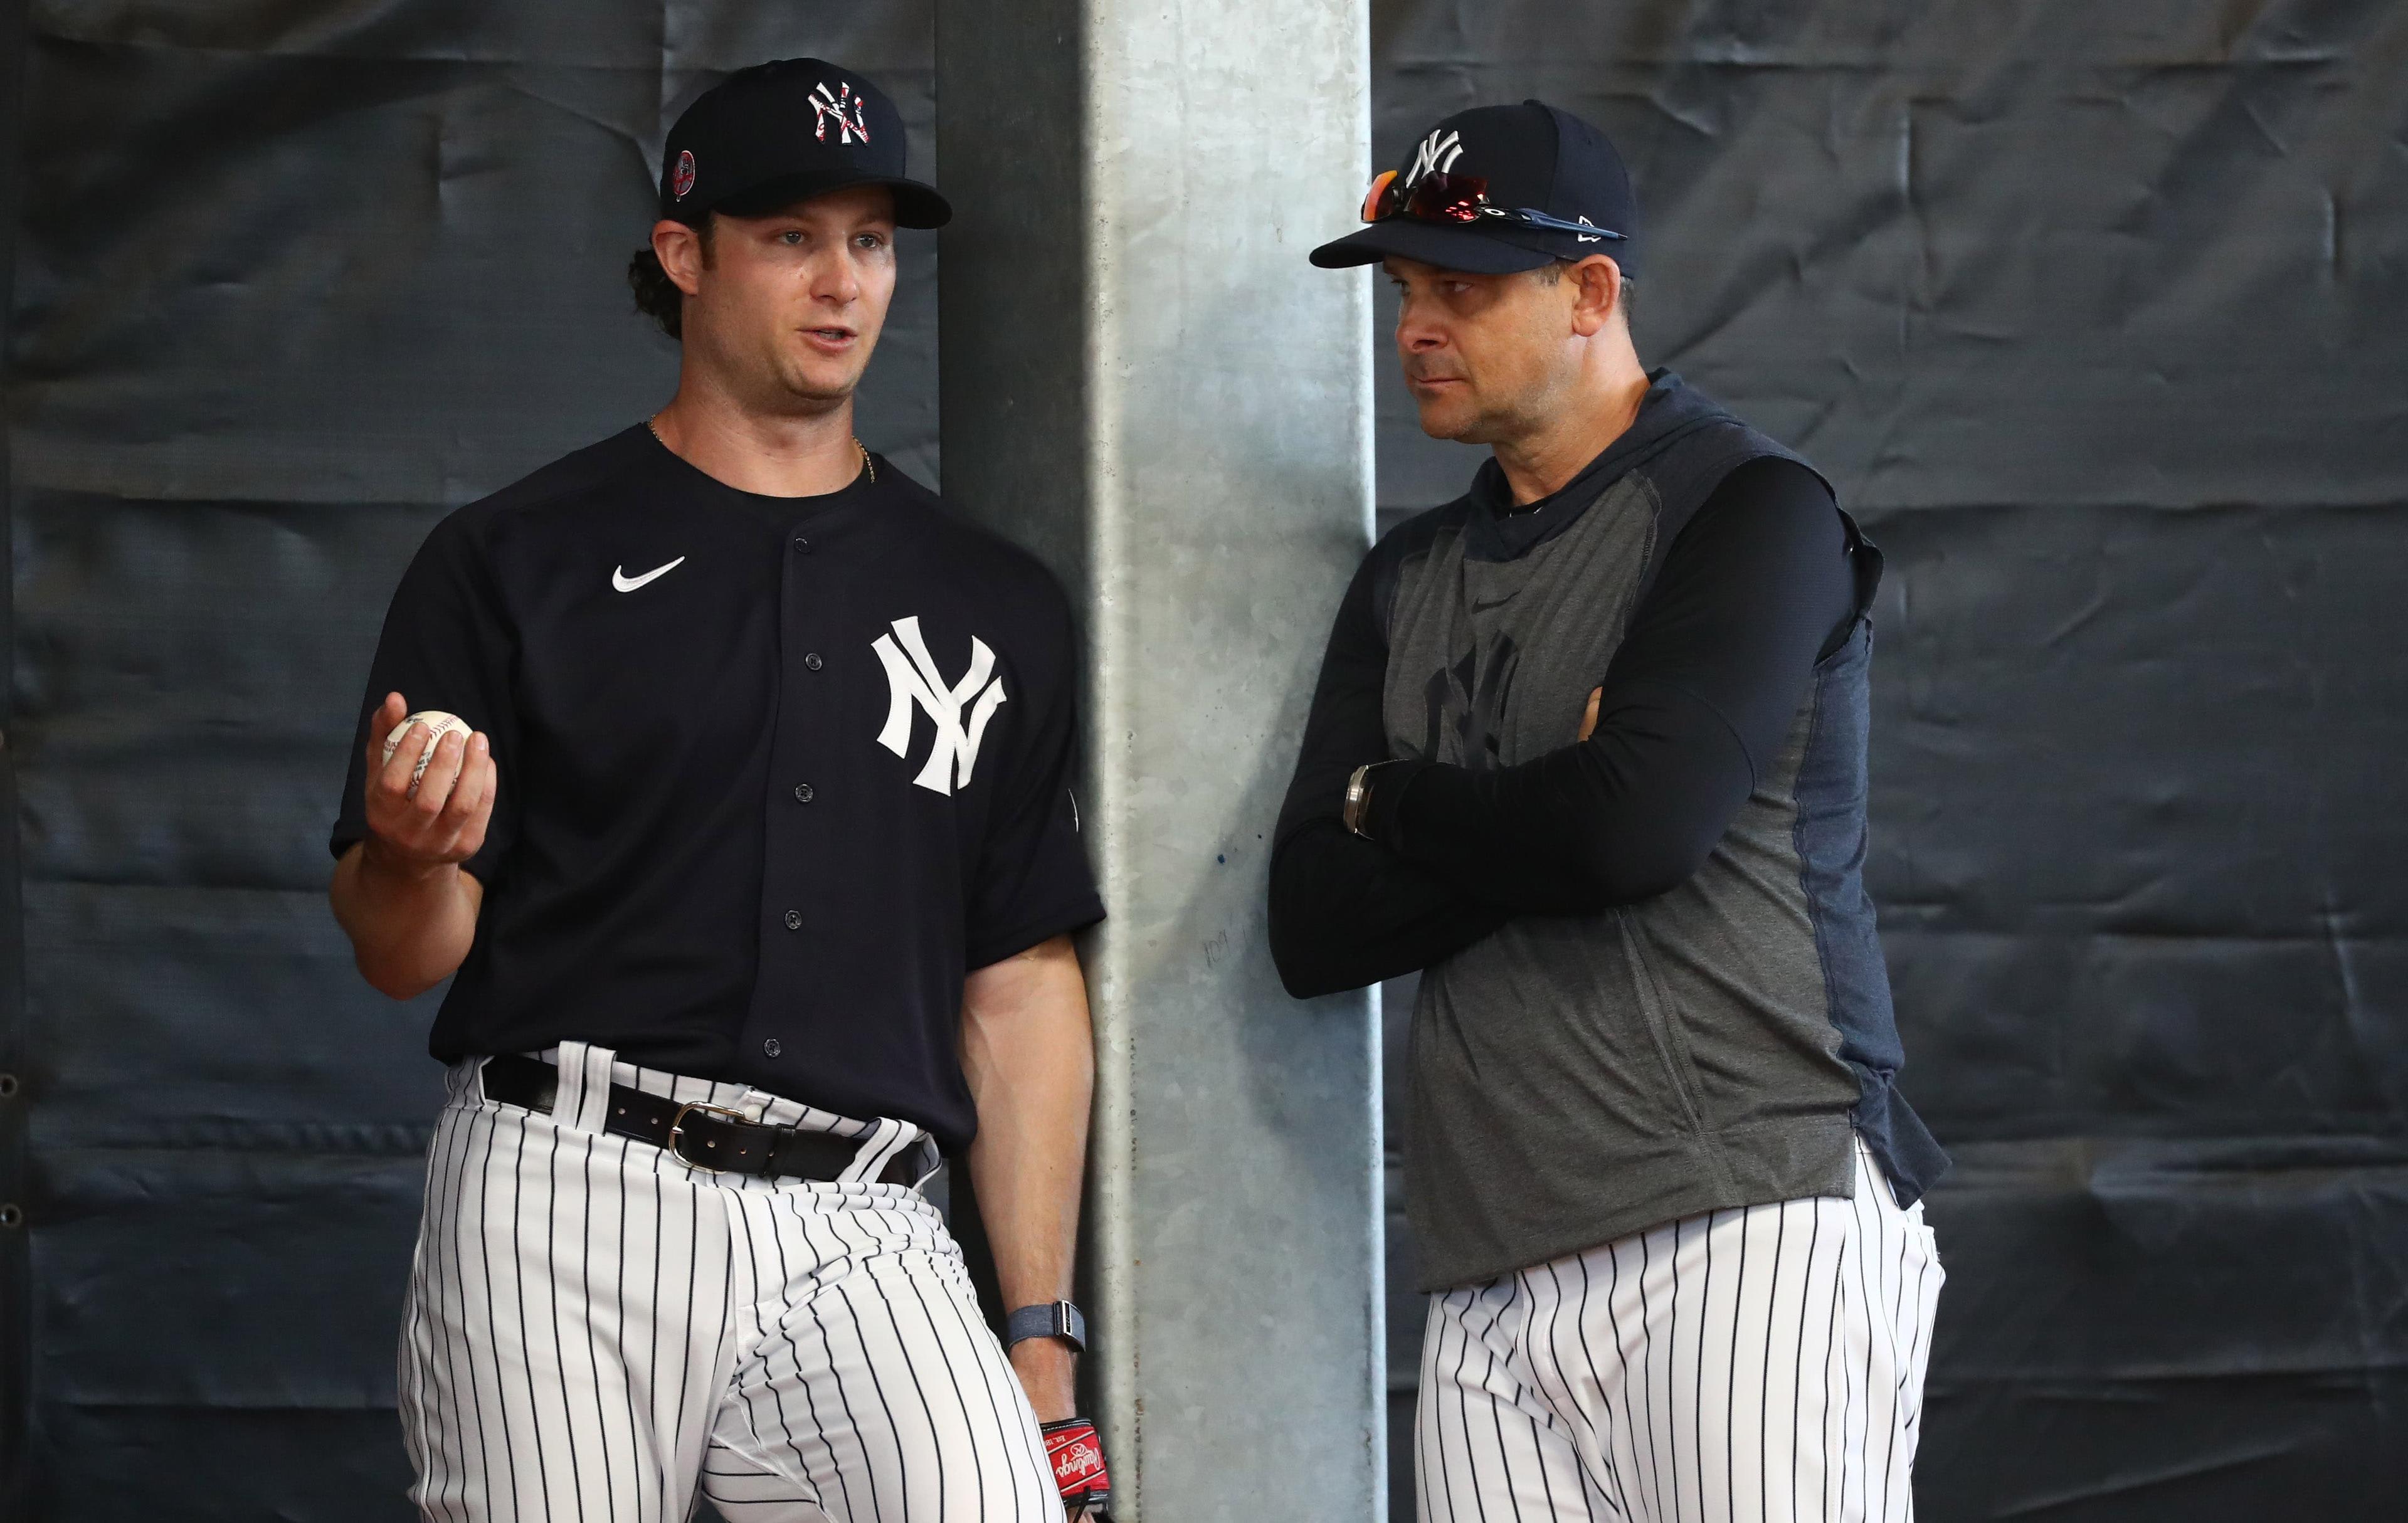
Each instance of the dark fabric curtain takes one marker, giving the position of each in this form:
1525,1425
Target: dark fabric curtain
2093,313
2097,316
291,280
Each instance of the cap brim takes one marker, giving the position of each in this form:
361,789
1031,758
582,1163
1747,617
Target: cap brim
915,205
1428,243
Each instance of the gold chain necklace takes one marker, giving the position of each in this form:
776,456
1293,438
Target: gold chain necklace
867,465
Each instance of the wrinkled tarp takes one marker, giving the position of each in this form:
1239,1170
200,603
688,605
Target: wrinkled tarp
289,281
2097,316
2093,313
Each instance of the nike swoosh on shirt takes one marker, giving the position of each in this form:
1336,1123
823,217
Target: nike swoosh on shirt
621,580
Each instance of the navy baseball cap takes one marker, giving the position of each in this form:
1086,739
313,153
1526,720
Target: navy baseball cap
1498,189
782,131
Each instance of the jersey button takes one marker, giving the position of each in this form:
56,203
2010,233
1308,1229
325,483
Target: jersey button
811,660
802,544
794,920
803,793
771,1048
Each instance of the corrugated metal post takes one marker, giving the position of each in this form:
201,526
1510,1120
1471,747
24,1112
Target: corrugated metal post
1142,379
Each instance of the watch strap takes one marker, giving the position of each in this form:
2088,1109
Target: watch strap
1052,1320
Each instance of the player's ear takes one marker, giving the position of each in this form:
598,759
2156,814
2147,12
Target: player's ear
1596,291
679,248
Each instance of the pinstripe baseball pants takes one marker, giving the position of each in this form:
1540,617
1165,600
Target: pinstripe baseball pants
596,1331
1744,1367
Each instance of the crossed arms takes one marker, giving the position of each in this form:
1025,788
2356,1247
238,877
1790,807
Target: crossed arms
1696,701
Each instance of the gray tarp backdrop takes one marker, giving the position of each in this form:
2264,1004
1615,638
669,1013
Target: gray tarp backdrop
2097,314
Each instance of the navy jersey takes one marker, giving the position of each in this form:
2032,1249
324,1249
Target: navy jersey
775,773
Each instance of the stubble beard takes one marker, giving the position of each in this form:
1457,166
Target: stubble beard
1452,418
1473,420
810,400
787,388
762,381
1492,420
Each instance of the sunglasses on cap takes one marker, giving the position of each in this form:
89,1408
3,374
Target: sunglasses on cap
1458,201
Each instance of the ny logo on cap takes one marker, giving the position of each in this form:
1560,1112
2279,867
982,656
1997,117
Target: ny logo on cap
845,107
959,710
1435,153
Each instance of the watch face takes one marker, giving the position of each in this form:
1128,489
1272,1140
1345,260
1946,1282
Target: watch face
1358,792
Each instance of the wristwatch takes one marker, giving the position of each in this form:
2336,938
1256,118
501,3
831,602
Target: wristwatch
1054,1319
1358,801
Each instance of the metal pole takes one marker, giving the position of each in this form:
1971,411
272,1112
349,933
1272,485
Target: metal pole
1143,381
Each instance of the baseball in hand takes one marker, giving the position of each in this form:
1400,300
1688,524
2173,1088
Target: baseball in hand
439,724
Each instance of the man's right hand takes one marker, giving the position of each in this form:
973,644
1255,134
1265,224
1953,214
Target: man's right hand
440,823
399,894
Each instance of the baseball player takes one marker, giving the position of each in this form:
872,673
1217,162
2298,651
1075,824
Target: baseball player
754,883
1588,750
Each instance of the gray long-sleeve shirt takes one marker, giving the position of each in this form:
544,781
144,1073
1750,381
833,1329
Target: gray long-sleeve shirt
1653,988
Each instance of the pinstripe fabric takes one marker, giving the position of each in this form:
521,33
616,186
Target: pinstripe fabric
597,1331
1762,1365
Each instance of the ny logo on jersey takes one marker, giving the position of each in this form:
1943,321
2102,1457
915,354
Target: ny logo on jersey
913,680
844,106
1465,703
1435,153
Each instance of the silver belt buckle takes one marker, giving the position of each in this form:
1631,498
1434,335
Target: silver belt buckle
677,1125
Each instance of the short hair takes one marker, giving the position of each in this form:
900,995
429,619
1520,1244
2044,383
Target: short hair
1554,270
657,297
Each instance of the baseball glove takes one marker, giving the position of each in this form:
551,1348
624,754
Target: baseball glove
1078,1458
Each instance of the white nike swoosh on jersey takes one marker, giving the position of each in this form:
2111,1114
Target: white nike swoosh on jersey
621,580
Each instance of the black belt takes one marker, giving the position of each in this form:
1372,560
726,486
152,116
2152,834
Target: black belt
708,1137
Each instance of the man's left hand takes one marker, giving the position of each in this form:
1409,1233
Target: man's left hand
1048,1372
